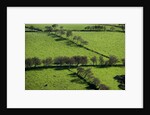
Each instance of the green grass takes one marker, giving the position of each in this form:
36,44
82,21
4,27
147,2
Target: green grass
63,80
106,75
108,43
39,44
55,80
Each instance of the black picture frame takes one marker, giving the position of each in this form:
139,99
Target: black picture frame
67,3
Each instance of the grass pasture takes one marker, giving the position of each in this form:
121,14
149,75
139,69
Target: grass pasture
43,45
51,47
107,43
64,80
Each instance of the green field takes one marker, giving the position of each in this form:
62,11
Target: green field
55,79
63,80
51,47
43,45
108,43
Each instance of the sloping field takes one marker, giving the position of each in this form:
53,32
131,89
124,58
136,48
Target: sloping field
108,43
41,45
54,79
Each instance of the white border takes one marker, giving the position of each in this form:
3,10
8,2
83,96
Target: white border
17,97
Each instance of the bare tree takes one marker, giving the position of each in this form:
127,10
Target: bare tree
69,33
28,62
84,60
47,61
101,60
36,61
59,60
113,60
94,60
80,71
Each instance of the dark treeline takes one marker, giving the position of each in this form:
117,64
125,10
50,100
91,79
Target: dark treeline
89,77
71,61
60,29
121,80
103,28
33,29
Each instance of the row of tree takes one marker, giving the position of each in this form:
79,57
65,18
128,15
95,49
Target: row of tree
61,31
32,28
96,27
79,40
70,61
103,28
61,60
87,75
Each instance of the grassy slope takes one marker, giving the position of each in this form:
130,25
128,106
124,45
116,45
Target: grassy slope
42,46
55,80
61,80
108,43
106,75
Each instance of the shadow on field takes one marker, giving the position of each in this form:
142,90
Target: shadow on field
74,44
80,80
70,67
108,66
48,67
57,37
71,43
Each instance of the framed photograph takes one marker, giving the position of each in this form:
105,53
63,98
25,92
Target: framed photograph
76,57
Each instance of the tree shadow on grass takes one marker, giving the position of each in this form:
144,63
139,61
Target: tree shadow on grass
61,68
39,68
91,87
47,67
79,80
108,66
74,44
71,44
70,67
57,37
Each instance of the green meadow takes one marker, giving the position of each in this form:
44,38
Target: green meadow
63,80
42,45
